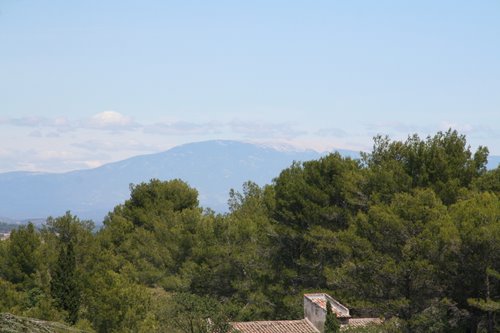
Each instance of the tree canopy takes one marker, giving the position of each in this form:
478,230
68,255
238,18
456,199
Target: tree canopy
410,233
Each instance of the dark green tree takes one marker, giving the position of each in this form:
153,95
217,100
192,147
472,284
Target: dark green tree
64,284
231,253
488,305
332,324
312,199
72,239
475,286
489,181
443,162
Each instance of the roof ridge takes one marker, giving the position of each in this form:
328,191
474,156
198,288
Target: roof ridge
311,324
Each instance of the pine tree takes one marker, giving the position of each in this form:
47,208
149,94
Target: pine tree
332,324
64,286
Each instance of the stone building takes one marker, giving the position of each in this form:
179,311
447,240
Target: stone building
314,318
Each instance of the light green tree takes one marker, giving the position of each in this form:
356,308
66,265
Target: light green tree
194,314
21,256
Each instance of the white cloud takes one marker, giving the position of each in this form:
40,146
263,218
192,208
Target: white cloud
52,135
42,158
32,121
332,132
55,155
396,127
35,134
110,120
462,128
93,163
36,121
236,128
184,128
250,129
107,120
120,144
60,121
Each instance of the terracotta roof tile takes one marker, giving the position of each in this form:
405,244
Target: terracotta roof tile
277,326
320,300
360,322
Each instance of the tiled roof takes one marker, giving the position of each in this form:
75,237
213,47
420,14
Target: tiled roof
320,299
277,326
360,322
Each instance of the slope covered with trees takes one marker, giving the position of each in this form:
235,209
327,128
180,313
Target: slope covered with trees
411,233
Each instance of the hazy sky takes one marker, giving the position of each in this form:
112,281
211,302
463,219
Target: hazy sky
87,82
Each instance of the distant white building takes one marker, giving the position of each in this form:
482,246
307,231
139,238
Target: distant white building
314,318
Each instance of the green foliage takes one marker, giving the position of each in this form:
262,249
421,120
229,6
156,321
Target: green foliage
488,182
10,299
332,324
486,305
410,233
321,192
64,284
84,325
194,314
477,219
231,258
21,257
153,230
439,316
44,307
313,201
443,163
117,304
157,196
71,236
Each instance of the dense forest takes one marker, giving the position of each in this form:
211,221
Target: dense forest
410,232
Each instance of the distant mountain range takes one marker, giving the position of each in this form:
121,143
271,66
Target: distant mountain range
212,167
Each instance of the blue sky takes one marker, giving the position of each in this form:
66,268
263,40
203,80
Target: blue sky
84,83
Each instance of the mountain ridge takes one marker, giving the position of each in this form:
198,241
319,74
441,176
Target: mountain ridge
212,167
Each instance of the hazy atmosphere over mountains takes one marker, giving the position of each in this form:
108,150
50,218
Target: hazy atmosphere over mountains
212,167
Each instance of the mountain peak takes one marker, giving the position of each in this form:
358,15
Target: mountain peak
212,167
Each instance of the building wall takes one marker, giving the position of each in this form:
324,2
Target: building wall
314,314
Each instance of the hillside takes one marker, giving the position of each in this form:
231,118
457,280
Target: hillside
15,324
